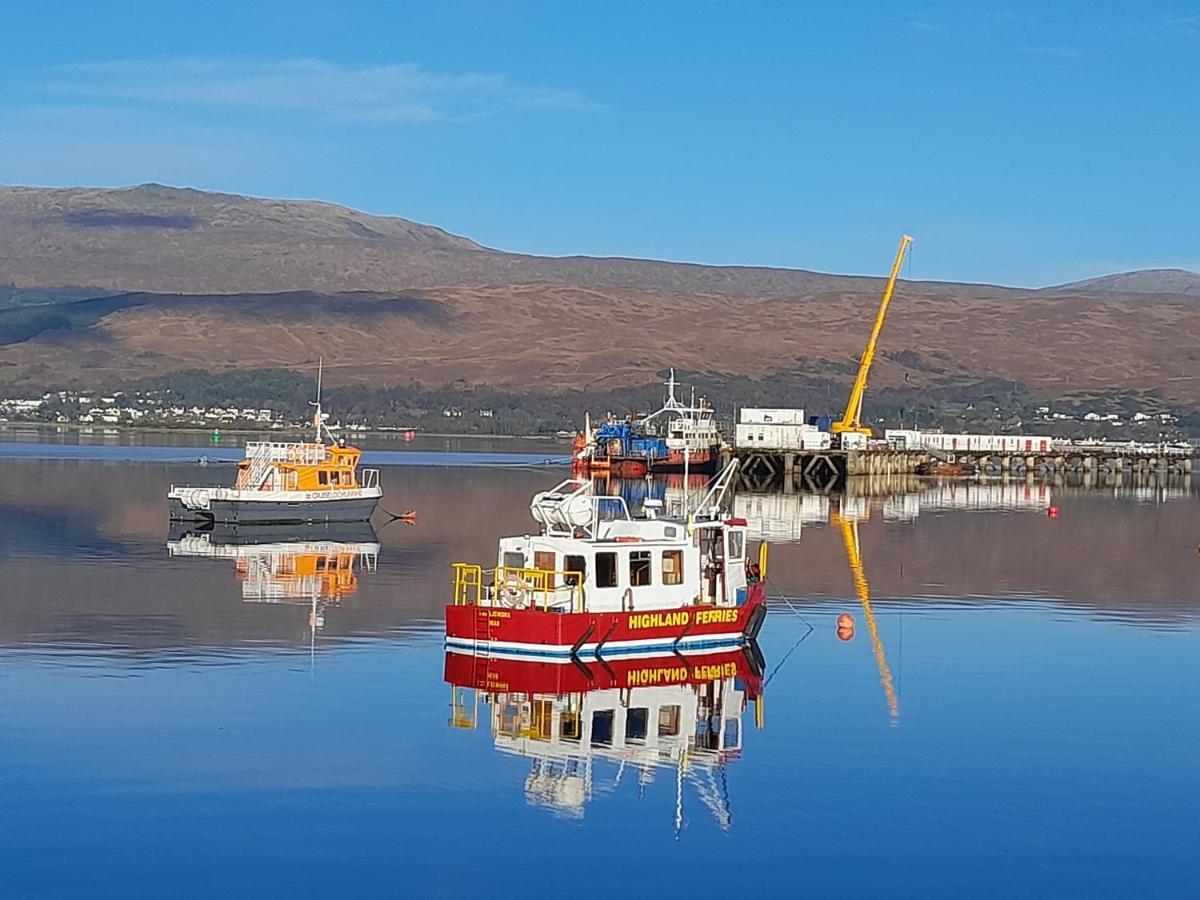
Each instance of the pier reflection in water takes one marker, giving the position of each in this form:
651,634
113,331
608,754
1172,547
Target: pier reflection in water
1013,718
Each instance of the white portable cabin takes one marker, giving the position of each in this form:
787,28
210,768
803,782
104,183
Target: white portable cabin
970,443
761,415
774,437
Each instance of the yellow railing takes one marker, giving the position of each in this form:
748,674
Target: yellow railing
468,584
463,715
518,586
539,587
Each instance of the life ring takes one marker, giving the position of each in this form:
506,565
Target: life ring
513,593
614,447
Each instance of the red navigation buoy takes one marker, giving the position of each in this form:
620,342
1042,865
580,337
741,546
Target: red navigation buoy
1052,512
410,435
845,634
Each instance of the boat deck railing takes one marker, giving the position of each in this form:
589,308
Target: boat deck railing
282,451
518,587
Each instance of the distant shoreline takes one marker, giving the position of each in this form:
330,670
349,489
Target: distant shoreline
283,432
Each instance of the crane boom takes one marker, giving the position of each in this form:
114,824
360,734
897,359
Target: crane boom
851,419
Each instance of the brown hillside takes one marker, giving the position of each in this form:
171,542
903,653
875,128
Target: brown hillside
439,308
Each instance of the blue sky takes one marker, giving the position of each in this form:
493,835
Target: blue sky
1020,143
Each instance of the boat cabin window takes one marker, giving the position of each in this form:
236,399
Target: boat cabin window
544,560
606,570
639,568
636,723
737,541
333,477
569,726
602,728
668,721
574,564
672,567
347,477
514,559
323,477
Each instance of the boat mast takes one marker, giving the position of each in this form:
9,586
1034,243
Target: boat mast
317,404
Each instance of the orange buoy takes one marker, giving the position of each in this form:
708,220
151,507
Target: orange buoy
845,627
1052,512
410,436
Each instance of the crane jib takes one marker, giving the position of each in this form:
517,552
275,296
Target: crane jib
852,418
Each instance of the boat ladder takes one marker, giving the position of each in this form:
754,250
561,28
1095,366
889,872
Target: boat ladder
260,465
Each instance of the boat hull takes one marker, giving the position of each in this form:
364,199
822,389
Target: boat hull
533,676
564,637
277,512
701,462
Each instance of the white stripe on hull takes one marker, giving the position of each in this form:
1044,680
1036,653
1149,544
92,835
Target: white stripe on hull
625,649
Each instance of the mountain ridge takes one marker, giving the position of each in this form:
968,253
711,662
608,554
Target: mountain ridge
1139,281
220,281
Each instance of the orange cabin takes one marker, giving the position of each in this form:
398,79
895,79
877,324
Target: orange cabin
298,467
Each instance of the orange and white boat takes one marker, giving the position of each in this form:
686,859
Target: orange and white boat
597,583
285,483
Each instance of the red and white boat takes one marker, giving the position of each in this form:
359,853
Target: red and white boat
597,583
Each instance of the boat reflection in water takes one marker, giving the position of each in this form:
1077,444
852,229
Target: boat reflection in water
313,565
588,727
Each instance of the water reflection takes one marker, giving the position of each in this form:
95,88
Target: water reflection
586,729
312,565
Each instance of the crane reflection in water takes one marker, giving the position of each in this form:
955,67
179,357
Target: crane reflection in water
780,517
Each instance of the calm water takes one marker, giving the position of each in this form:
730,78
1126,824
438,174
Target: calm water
1025,724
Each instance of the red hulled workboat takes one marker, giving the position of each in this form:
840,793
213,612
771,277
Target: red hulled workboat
598,583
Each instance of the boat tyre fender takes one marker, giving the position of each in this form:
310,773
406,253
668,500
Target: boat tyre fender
514,593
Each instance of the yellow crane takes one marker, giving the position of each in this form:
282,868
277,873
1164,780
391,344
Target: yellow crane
851,419
849,529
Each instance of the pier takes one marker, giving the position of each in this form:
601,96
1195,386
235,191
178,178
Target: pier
825,469
829,468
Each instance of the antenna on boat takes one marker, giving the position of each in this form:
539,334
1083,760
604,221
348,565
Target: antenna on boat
317,403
